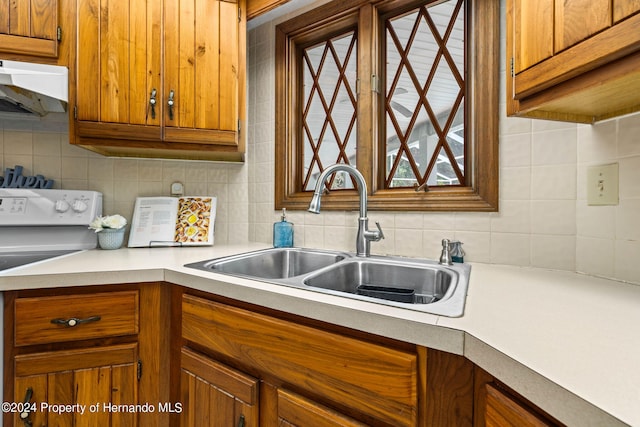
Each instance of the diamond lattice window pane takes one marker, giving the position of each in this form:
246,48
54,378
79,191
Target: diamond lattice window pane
329,116
425,89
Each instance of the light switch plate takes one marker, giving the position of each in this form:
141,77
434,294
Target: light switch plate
602,184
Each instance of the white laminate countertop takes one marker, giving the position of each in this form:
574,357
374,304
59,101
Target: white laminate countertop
569,343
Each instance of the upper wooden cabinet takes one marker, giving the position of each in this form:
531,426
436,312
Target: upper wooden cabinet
201,71
118,66
29,27
161,79
573,60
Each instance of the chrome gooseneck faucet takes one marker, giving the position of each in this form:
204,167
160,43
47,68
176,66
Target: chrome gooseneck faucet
365,236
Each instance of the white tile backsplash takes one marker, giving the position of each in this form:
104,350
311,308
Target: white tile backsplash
629,136
595,256
627,254
32,144
557,217
554,147
553,182
556,252
597,142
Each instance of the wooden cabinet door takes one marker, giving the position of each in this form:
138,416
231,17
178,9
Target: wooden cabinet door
85,377
296,411
29,27
374,380
202,70
213,394
577,20
118,68
532,32
624,8
500,410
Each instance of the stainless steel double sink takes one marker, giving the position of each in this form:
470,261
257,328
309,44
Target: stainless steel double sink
415,284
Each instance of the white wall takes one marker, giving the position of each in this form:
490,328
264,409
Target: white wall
544,220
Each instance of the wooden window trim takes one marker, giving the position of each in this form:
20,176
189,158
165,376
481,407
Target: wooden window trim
482,97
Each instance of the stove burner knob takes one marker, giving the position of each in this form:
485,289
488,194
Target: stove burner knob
62,206
79,206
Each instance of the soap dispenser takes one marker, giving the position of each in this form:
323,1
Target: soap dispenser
283,232
457,254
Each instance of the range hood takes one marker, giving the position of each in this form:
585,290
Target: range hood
29,88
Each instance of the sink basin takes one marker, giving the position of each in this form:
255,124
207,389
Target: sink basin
276,263
393,281
414,284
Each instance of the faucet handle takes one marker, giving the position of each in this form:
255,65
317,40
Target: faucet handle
381,234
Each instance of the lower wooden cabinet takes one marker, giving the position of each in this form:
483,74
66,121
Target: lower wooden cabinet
295,410
214,394
207,361
77,387
496,406
336,376
502,411
87,356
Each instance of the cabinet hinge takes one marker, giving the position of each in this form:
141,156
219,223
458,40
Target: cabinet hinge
239,14
139,373
75,112
513,73
59,34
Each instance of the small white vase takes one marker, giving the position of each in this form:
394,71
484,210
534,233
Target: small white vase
110,238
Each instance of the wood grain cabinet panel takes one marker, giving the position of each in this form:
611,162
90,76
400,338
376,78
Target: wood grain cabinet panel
214,394
78,377
503,411
256,8
625,8
577,20
593,71
296,411
29,27
533,34
118,63
201,69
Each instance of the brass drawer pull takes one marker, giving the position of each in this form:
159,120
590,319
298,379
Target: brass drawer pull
74,321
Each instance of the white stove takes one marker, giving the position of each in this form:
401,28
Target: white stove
38,224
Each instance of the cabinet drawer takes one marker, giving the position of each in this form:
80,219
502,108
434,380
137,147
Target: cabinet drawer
375,380
50,319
